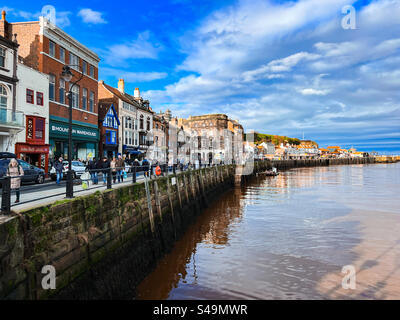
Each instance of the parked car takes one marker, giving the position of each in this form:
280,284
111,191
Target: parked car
31,173
78,168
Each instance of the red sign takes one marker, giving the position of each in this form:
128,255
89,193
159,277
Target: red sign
25,148
29,128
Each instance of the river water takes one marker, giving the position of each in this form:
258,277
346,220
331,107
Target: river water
288,237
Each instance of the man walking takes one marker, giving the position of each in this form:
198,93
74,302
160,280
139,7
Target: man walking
92,166
120,164
59,169
105,165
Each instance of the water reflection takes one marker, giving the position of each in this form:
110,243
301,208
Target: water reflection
288,237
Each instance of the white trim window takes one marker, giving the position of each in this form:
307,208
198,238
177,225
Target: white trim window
62,54
84,99
52,87
3,96
62,91
74,61
91,70
91,101
75,96
84,67
2,57
52,49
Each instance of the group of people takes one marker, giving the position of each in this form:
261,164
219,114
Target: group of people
103,165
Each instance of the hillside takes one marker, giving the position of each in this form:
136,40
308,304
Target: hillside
275,139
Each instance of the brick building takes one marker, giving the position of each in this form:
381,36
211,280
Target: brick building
47,48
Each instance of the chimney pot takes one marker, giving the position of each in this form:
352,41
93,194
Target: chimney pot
3,15
121,85
137,93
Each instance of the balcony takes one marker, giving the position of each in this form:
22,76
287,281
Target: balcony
10,120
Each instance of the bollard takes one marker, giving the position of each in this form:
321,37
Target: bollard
70,185
6,195
109,185
134,174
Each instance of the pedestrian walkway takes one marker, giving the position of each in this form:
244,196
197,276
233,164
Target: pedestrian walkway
33,196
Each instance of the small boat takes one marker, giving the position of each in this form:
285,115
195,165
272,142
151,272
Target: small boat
273,172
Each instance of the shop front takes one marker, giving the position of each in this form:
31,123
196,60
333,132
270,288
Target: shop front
37,155
131,153
84,141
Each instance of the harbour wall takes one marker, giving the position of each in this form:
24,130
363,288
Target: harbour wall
102,245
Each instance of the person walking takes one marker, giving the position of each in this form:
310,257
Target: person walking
92,166
113,166
59,169
120,164
15,171
105,165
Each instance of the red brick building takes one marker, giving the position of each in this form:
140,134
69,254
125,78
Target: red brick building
47,49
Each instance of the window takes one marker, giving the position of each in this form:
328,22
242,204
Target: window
35,129
74,61
84,67
91,101
52,49
2,57
148,123
92,71
30,94
39,129
3,97
62,54
39,98
52,85
75,97
141,122
111,137
62,91
84,99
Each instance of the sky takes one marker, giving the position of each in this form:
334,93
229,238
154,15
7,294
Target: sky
291,68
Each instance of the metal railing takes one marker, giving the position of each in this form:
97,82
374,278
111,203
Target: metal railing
109,176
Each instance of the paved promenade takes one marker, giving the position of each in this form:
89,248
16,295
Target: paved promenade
35,195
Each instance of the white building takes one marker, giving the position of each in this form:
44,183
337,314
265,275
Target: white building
32,142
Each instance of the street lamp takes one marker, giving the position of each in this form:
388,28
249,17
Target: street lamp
67,75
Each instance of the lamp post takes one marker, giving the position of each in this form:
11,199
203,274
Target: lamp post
67,76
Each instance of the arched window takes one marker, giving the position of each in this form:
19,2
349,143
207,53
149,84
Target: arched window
148,123
3,96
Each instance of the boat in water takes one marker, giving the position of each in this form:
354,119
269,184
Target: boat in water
273,172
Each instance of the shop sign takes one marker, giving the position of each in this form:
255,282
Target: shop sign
76,131
33,149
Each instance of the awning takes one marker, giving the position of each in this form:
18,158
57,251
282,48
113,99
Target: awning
135,152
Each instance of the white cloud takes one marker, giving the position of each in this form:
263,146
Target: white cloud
132,76
91,17
311,92
143,47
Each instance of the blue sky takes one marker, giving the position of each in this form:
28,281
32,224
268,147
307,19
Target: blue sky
280,67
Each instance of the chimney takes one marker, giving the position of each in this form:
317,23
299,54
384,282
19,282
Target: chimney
4,26
121,85
137,93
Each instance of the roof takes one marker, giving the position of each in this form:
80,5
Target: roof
125,97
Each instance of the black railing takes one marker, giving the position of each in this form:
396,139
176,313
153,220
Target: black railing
109,176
